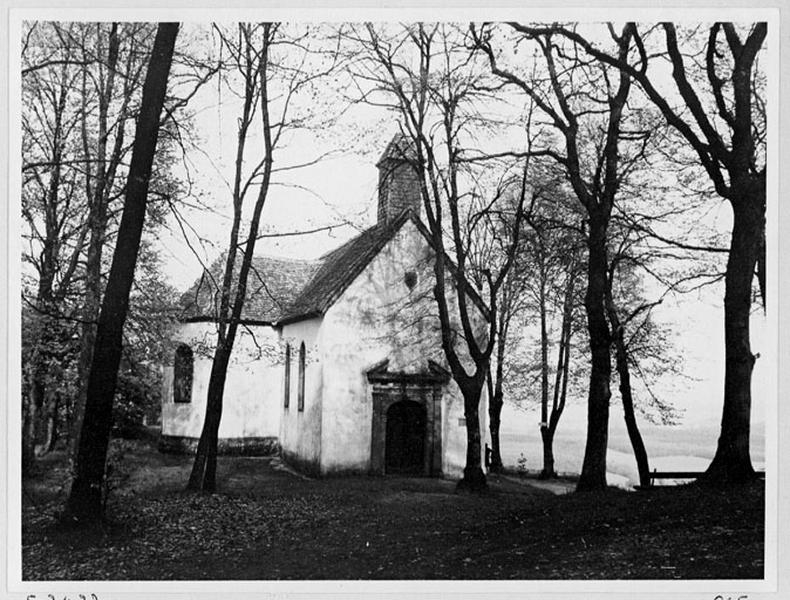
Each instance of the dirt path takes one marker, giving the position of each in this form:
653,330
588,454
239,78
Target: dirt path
556,487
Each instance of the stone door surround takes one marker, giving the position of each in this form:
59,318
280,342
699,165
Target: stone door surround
425,388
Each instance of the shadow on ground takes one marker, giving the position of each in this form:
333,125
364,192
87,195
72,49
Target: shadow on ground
267,523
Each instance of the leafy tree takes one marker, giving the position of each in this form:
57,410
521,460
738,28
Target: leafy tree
81,84
153,310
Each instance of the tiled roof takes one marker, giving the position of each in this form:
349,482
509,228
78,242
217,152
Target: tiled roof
272,285
340,267
281,290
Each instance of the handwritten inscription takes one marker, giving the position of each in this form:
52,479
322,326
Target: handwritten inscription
54,597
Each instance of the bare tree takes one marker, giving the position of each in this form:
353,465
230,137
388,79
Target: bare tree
49,206
554,254
271,83
718,106
622,363
82,85
510,306
251,53
550,417
84,503
424,74
543,279
636,339
597,153
104,148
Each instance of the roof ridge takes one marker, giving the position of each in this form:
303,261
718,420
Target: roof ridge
347,242
345,262
273,282
287,258
224,253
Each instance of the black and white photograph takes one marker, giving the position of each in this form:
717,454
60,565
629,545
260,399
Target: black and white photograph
390,301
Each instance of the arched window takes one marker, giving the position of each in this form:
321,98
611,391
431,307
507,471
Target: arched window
301,377
287,375
182,374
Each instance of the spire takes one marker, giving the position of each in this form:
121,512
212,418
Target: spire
399,183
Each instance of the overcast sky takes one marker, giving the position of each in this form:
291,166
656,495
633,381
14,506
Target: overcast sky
342,190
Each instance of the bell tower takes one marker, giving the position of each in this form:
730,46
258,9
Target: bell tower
399,183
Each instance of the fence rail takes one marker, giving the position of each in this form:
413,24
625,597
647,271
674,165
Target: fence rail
681,475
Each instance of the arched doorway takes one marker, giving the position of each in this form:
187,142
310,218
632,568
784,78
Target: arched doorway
405,438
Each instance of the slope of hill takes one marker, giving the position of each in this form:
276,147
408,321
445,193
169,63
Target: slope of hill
676,448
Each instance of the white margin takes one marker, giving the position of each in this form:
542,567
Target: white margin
778,321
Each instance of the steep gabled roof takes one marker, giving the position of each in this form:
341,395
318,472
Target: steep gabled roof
272,285
340,267
282,290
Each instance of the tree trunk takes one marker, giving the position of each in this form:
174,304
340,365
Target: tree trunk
761,266
203,475
621,360
474,479
496,394
90,312
547,436
28,460
561,378
494,414
494,421
732,461
204,469
640,453
85,498
29,419
51,438
547,431
97,226
593,475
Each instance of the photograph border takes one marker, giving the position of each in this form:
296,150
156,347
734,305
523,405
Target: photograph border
776,419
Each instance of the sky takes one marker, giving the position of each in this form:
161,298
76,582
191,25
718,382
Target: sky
341,191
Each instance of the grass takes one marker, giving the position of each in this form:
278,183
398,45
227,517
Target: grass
266,523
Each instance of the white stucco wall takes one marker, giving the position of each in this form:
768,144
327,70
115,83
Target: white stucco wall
300,431
379,318
251,404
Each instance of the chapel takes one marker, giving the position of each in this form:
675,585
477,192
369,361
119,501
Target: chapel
338,365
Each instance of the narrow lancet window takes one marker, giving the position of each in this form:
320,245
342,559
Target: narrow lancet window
287,400
301,377
183,369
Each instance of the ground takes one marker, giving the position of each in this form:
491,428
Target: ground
269,523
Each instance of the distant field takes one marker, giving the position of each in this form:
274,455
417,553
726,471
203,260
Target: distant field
669,448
